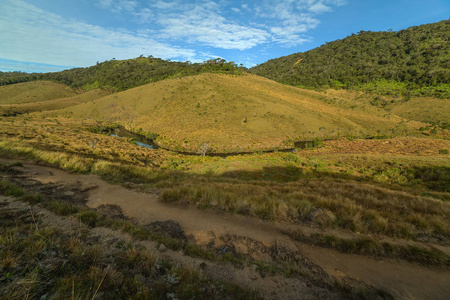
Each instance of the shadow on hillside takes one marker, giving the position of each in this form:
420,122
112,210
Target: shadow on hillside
435,178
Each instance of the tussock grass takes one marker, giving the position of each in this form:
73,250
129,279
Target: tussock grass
369,246
326,203
386,195
39,260
9,189
283,192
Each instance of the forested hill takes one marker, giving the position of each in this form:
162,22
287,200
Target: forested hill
411,62
121,75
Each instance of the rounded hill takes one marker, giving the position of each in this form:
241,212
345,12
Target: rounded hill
236,113
34,91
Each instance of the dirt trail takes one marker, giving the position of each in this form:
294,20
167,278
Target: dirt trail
403,280
275,287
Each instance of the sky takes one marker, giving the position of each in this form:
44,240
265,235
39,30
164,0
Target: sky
53,35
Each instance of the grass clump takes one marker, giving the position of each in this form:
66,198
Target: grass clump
368,246
45,262
41,261
10,189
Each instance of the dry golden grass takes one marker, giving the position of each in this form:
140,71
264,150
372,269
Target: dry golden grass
427,110
46,105
411,146
34,91
237,113
344,184
72,138
424,110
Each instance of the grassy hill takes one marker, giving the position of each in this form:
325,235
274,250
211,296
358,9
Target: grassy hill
36,91
120,75
42,104
237,113
411,62
427,110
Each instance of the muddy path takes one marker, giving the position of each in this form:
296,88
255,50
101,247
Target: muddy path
401,279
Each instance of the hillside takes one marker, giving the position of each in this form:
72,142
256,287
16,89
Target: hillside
121,75
411,62
237,113
36,91
42,104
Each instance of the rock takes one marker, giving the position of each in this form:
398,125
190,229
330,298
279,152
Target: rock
162,248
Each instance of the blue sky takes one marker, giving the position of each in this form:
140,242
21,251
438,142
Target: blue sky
52,35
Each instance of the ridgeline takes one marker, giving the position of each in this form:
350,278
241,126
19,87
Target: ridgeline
120,75
411,62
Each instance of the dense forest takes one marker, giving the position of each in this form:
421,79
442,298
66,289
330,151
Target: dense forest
121,75
411,62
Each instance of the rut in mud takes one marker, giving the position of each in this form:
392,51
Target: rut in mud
259,240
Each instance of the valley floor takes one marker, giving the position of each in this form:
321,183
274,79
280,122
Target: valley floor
86,215
261,256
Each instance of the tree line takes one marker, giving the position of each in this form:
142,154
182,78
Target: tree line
411,62
121,75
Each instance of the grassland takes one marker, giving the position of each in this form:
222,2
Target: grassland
371,183
34,91
341,185
40,259
427,110
238,114
42,96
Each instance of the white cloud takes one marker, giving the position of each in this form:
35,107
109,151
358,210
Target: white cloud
319,8
203,25
12,65
166,5
30,34
145,15
117,6
286,22
289,20
236,10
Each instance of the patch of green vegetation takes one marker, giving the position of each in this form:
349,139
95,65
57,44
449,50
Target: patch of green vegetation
9,189
409,62
121,75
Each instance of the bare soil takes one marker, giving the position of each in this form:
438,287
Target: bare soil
261,240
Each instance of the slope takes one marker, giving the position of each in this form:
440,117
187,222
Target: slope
29,92
121,75
236,114
411,62
45,105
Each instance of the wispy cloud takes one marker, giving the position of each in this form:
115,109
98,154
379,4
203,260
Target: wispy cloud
289,21
203,21
28,33
319,8
286,22
13,65
204,25
31,34
117,6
